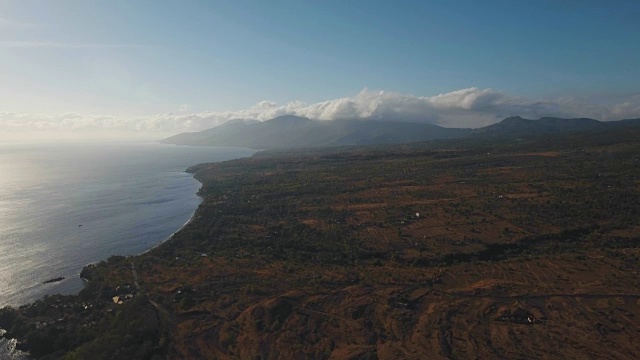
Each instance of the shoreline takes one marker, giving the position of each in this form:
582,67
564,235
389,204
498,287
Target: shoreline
82,283
85,280
14,345
21,354
181,227
191,218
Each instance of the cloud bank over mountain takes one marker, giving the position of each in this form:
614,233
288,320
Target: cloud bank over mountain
471,107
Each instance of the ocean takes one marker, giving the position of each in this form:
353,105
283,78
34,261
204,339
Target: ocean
63,206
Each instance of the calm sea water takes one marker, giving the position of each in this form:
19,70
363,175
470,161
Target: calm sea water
63,206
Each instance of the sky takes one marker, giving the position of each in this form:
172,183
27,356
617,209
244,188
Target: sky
155,67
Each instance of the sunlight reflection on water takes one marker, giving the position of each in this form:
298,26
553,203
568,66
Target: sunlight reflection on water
63,206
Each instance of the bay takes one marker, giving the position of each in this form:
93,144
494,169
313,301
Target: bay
63,206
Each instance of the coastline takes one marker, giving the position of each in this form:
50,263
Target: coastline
10,346
85,280
84,301
191,218
193,171
139,243
18,348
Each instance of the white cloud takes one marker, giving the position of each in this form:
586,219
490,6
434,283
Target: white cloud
61,45
627,108
470,107
9,23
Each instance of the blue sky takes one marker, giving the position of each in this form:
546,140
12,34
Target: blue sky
126,59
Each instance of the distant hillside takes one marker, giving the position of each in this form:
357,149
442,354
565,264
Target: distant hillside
516,125
214,136
295,132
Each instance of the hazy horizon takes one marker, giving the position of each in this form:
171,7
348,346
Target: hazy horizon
150,69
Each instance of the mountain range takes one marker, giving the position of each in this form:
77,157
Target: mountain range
291,131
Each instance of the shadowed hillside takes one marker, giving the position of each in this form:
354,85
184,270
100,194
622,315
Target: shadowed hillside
293,131
297,132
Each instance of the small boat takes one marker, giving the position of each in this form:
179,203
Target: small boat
54,280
